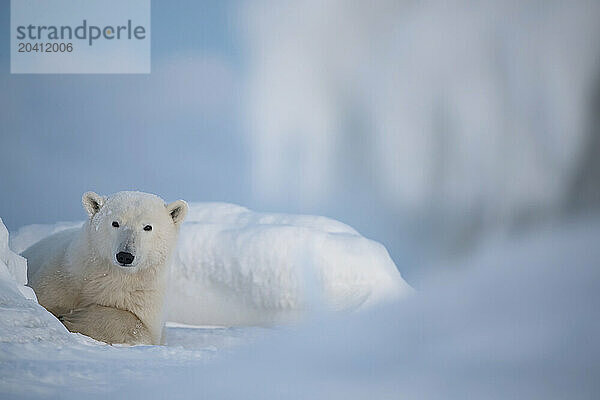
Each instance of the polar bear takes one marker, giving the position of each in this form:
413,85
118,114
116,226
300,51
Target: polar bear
107,279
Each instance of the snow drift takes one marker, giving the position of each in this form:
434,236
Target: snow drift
234,266
13,267
22,318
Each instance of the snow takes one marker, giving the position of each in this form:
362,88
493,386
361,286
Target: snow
238,267
235,267
517,320
13,267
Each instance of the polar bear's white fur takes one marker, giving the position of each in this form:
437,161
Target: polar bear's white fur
107,279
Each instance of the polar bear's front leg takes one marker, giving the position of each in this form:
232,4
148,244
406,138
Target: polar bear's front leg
107,324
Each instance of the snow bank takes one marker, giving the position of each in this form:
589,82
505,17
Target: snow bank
234,266
13,267
21,318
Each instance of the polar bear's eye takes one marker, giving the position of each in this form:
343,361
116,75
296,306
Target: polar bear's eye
115,224
148,228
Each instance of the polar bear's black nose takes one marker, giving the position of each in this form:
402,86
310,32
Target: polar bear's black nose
124,258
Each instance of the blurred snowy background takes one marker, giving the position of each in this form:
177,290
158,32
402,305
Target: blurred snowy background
464,136
426,126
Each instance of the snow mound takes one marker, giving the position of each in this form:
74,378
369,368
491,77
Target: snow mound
235,267
22,319
13,267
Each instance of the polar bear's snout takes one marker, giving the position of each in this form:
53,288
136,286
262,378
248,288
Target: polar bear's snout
127,242
124,258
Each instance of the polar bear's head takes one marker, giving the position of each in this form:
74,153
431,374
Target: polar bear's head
133,230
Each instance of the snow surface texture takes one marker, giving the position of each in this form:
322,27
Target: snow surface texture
234,267
518,321
238,267
13,267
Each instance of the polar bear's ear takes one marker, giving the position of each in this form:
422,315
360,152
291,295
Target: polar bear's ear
177,210
92,202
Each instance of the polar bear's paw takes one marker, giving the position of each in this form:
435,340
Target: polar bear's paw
107,324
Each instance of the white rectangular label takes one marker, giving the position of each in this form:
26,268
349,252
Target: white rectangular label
80,36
